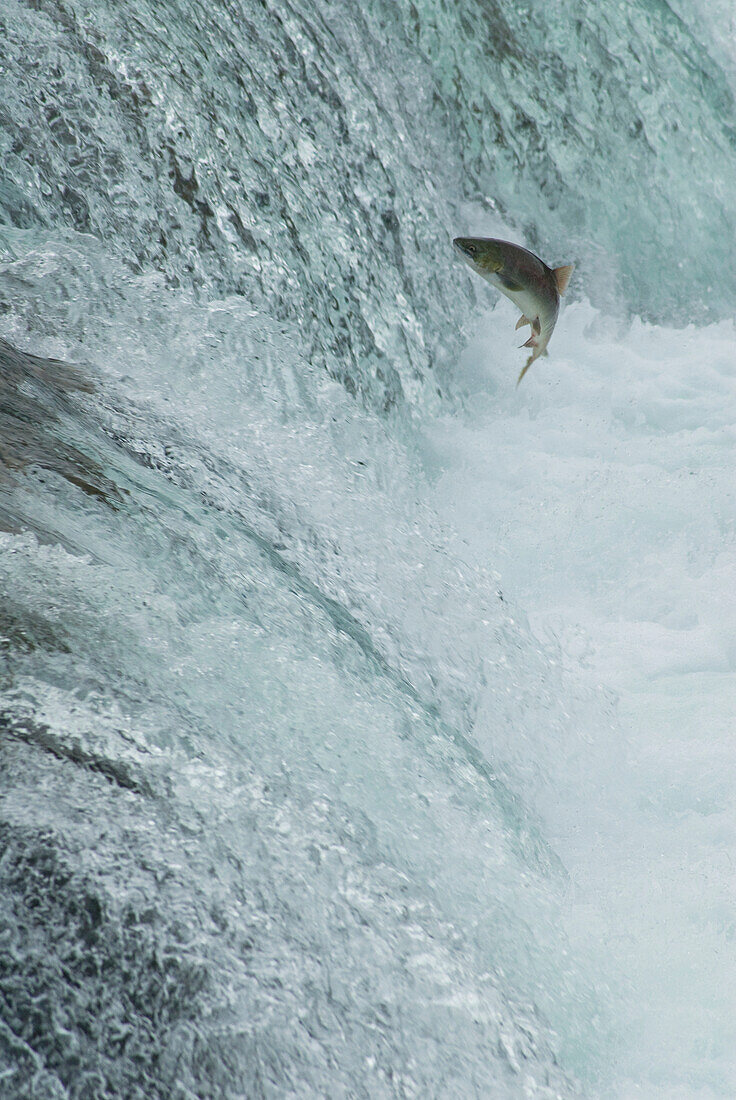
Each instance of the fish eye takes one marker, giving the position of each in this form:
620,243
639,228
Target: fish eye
471,249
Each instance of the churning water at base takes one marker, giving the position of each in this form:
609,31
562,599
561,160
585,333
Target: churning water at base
364,720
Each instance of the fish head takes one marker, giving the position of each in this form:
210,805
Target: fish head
484,256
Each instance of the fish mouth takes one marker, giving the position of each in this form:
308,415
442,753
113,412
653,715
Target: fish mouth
460,244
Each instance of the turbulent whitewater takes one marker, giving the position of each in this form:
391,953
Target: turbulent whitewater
365,723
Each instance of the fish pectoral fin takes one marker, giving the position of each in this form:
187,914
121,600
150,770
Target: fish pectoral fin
562,277
509,284
523,321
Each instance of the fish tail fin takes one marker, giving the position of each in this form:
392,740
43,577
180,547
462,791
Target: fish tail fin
523,320
562,277
529,362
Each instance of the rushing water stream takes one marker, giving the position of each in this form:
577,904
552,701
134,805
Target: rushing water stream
365,722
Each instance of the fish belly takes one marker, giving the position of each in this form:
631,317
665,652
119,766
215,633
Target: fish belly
527,302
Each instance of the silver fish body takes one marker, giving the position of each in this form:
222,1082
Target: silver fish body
525,279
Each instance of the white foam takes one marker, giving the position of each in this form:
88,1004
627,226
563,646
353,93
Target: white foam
603,491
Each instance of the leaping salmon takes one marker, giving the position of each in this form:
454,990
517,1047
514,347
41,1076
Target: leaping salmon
526,280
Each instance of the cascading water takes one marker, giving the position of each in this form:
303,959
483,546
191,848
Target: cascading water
364,720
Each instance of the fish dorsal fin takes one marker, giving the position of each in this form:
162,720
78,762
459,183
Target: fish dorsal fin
562,277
